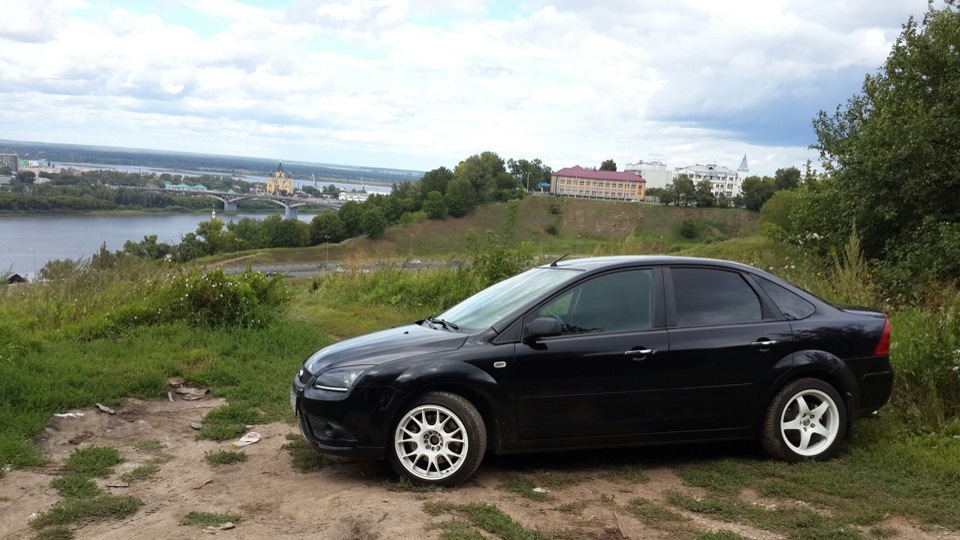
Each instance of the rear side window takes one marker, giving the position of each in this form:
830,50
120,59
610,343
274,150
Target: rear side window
704,296
791,305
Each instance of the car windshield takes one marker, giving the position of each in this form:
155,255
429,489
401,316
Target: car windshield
488,306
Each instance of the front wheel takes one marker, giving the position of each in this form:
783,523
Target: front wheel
806,420
439,439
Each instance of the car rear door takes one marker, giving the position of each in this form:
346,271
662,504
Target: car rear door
725,339
604,375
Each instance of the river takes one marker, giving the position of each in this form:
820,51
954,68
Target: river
27,243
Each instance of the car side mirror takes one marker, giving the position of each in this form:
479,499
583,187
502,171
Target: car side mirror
541,327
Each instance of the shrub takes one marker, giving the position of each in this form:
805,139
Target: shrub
689,229
551,229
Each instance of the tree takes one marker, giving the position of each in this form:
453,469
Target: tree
460,199
326,227
436,180
756,191
350,214
481,170
26,177
372,222
894,151
609,165
684,190
788,178
529,174
703,194
434,205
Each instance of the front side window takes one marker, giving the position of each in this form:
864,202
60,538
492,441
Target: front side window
607,304
706,296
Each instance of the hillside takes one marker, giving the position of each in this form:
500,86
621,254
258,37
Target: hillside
581,226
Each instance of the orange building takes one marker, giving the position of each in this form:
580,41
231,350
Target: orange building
609,185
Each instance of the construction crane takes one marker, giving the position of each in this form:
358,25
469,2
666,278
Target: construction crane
280,183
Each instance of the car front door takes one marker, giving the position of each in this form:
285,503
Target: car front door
604,375
724,342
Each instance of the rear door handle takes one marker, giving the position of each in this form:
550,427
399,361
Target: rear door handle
640,354
764,343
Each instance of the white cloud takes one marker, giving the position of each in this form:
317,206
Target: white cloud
427,83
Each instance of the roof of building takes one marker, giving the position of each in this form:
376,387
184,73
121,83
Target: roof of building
709,170
743,165
580,172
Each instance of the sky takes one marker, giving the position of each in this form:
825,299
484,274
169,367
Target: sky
422,84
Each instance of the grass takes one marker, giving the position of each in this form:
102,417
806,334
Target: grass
208,519
95,461
493,520
224,457
75,486
150,445
101,507
523,484
304,459
141,473
60,532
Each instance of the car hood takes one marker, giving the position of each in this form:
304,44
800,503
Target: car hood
384,346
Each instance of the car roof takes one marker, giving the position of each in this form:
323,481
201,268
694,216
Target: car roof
602,263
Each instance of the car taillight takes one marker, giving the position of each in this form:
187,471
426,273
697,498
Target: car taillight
883,346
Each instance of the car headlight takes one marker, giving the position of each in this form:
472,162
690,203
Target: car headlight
338,379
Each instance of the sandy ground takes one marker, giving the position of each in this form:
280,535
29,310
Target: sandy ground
348,500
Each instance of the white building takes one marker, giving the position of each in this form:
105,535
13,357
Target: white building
724,181
357,196
654,172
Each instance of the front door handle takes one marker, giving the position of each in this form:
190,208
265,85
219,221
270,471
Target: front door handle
763,343
640,354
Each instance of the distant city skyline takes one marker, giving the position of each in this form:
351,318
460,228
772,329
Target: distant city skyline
398,84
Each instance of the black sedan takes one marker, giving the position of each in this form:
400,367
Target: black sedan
600,352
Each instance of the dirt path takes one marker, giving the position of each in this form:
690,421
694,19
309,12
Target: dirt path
347,500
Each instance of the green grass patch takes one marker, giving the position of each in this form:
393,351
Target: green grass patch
100,507
224,457
458,530
633,474
151,445
60,532
654,514
721,535
523,484
208,519
141,473
304,459
95,461
75,486
493,520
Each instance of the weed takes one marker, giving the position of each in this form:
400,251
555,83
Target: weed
524,484
360,530
606,498
100,507
304,458
721,535
75,486
60,532
491,519
458,530
633,474
207,519
141,473
151,445
95,461
404,484
435,508
883,532
224,457
572,508
653,514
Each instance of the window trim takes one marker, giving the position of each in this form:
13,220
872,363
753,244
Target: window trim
768,310
657,288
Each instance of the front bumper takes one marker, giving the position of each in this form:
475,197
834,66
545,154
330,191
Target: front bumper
353,423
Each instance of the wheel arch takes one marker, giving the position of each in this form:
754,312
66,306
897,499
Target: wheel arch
469,382
817,365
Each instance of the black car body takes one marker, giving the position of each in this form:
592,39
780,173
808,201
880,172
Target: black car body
601,352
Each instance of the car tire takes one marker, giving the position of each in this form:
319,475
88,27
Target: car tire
806,420
439,439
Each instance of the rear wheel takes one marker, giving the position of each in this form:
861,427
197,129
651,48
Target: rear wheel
439,439
806,420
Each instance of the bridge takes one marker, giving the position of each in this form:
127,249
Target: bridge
291,205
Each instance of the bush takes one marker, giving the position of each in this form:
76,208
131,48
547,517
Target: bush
689,229
551,229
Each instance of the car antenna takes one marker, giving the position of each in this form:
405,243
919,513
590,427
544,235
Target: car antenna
560,258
